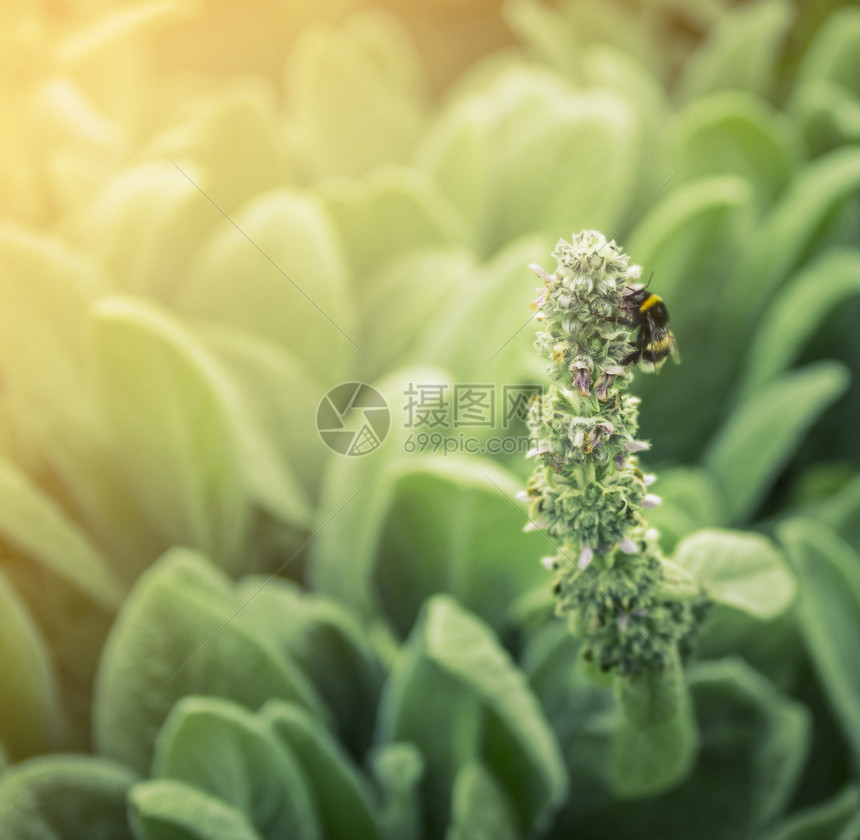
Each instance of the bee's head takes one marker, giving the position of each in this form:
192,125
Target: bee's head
638,293
635,295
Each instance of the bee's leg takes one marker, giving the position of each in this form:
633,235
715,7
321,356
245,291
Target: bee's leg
632,358
636,355
614,319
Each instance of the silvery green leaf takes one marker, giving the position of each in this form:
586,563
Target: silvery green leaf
733,132
227,752
764,431
28,693
741,50
294,285
165,401
744,571
65,797
454,670
797,313
356,94
829,612
176,635
163,809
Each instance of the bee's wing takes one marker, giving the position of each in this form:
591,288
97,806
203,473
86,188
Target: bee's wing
662,337
676,353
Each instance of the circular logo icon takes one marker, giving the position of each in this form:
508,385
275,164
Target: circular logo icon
353,419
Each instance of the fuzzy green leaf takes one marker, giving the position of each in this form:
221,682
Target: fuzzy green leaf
424,706
732,132
178,633
391,212
546,32
828,114
294,286
829,611
410,295
740,51
341,794
28,699
645,760
652,697
144,227
740,713
327,643
453,655
753,743
34,525
168,409
452,153
766,429
833,54
228,144
454,526
227,752
260,424
278,393
549,157
46,290
398,770
797,314
570,165
575,697
741,570
356,95
822,822
790,232
464,647
480,807
683,229
355,494
65,797
498,296
168,810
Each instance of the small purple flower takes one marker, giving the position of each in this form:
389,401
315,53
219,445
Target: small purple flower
604,381
651,500
628,546
582,378
636,445
596,437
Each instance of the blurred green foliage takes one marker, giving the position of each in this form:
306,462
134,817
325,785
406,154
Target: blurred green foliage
212,216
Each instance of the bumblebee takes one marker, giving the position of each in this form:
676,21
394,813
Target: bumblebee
648,315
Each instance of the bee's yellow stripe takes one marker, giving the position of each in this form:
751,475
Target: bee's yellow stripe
662,343
650,301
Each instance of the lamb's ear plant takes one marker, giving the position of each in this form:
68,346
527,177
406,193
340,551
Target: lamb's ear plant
635,611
